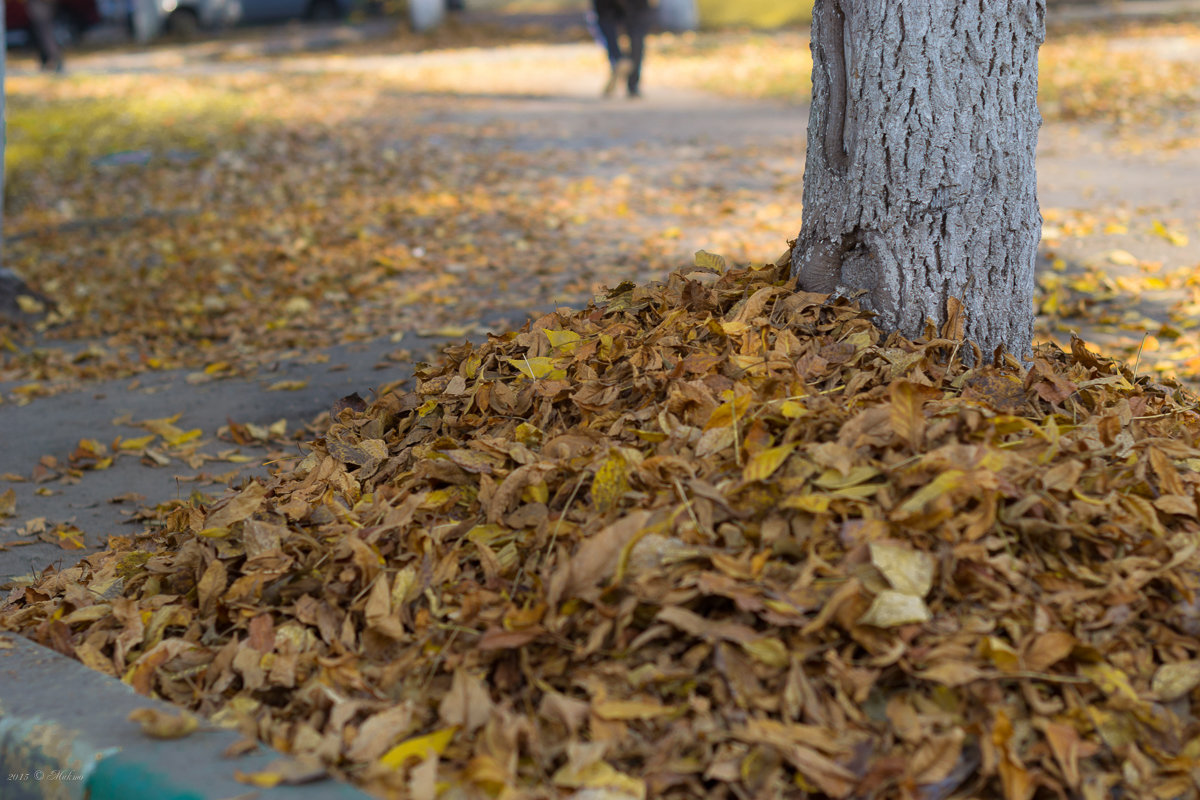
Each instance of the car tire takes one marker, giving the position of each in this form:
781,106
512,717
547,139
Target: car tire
324,10
183,24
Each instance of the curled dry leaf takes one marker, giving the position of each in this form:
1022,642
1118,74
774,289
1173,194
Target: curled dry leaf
159,724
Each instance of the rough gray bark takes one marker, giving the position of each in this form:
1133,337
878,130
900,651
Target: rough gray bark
919,183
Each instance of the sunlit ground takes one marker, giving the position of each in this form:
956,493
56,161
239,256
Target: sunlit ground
215,221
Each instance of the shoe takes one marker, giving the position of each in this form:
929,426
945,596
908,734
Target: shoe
611,85
620,74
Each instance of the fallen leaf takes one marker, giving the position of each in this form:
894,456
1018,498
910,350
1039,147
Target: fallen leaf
891,609
159,724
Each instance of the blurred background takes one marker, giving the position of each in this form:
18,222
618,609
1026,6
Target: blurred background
219,185
91,22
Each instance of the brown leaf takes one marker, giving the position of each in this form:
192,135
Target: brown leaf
500,639
906,416
210,586
380,732
159,724
596,559
236,508
467,704
1048,649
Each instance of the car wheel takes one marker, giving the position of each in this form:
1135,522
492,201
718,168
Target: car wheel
324,10
183,24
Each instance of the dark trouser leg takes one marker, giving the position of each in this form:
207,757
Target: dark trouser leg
608,15
41,22
638,21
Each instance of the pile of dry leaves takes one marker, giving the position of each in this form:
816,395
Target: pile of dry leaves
708,538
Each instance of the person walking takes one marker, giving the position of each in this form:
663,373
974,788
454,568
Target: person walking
41,28
633,18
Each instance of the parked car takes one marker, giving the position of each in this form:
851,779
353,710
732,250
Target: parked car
256,11
72,18
185,19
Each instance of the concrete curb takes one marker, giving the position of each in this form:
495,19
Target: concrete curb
64,736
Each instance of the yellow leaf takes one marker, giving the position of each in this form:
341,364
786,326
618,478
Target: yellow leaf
297,305
216,366
709,260
766,462
287,386
438,498
1122,258
892,609
858,492
630,709
418,747
528,434
536,493
564,340
611,482
832,479
793,410
536,368
1002,655
30,304
812,503
1110,680
184,437
1117,729
1174,237
263,780
907,570
166,429
1173,681
948,481
724,414
69,537
599,775
8,503
768,650
448,331
135,444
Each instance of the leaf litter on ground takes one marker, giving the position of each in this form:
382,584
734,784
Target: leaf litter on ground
706,537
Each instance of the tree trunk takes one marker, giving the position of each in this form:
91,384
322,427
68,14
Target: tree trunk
919,182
